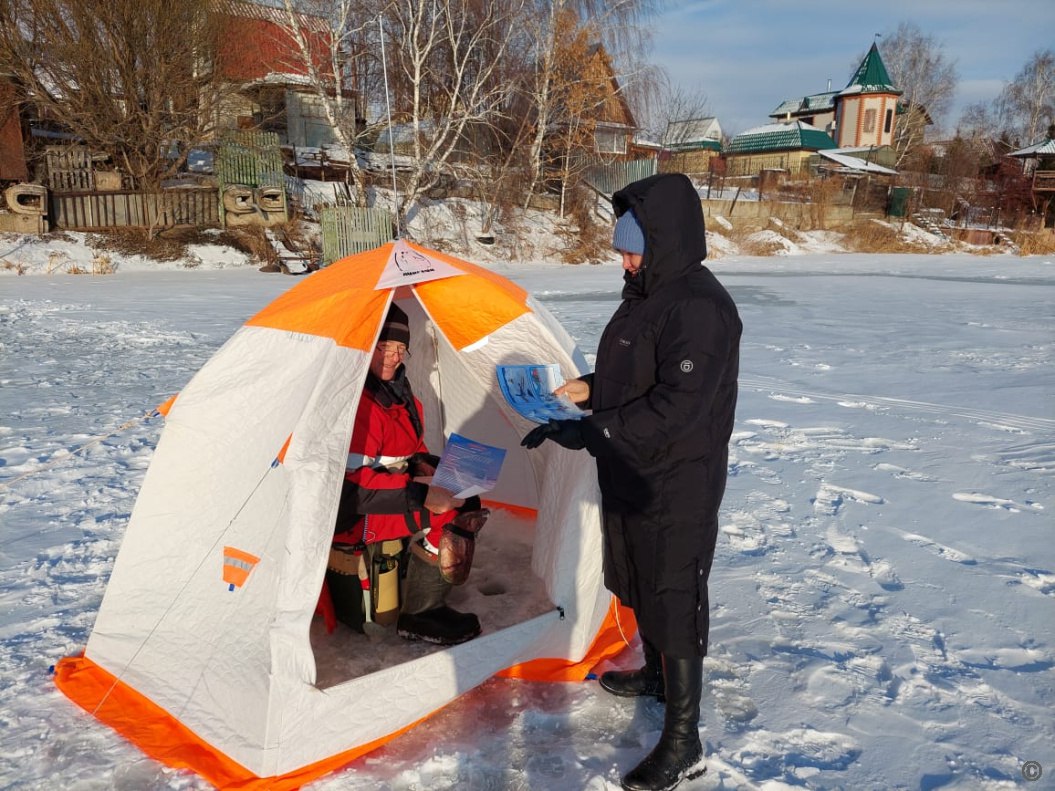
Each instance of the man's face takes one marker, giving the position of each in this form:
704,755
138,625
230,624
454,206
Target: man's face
388,356
631,262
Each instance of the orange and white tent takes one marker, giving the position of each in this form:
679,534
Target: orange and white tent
204,652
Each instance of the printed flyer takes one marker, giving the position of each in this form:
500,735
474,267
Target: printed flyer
529,390
468,467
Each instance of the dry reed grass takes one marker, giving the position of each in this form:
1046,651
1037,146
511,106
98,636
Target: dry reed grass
871,236
1038,242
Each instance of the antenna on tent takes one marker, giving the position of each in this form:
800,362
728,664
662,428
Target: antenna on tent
391,145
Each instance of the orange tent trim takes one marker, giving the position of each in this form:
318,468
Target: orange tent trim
165,408
162,737
165,739
618,628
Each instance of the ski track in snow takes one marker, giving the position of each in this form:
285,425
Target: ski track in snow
874,611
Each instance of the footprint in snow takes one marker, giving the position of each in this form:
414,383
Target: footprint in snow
901,472
995,502
791,399
1043,581
730,692
770,755
941,550
830,499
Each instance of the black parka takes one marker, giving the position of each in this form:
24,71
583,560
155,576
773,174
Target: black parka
663,396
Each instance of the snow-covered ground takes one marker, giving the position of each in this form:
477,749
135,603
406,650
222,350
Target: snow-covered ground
884,589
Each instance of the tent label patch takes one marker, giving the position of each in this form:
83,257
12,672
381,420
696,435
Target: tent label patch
236,566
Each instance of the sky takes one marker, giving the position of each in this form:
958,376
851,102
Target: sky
747,56
883,583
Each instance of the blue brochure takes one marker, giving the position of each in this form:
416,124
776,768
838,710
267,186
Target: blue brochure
529,390
468,467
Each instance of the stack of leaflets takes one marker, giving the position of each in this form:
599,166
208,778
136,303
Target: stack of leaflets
529,390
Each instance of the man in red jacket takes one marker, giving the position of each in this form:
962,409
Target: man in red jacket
384,497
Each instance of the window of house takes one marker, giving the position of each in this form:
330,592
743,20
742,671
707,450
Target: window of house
870,121
609,141
889,120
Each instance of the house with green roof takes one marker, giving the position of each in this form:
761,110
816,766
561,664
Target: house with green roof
690,145
785,147
816,110
862,117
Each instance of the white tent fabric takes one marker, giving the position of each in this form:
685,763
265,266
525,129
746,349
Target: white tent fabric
252,457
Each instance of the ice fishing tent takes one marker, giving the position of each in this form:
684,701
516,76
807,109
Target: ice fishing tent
202,651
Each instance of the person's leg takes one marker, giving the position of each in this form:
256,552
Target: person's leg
679,754
344,580
424,614
646,680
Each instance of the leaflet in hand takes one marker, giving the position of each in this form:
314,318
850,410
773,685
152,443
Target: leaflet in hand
529,390
468,467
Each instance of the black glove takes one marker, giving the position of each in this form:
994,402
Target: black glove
567,433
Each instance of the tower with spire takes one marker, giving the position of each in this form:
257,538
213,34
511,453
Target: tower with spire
866,109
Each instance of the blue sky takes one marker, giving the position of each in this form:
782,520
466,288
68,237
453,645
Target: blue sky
749,55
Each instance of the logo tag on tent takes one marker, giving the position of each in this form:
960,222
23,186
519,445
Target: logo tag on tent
236,566
406,265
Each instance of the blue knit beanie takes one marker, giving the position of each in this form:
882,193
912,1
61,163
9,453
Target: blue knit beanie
628,235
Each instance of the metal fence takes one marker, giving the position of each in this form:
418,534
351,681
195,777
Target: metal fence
347,230
84,211
610,178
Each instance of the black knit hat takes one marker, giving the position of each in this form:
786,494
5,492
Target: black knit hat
396,327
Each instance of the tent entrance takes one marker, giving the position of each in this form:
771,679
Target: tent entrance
502,590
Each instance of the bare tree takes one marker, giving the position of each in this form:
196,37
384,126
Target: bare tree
450,56
677,105
336,45
135,80
1026,106
919,69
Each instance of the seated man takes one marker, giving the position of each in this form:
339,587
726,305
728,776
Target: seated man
383,499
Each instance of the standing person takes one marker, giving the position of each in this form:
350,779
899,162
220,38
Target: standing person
663,396
383,498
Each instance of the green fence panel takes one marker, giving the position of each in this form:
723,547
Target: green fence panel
249,158
347,230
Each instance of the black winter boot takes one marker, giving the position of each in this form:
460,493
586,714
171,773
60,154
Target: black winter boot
678,755
424,614
647,680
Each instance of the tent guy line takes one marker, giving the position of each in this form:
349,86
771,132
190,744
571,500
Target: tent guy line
71,452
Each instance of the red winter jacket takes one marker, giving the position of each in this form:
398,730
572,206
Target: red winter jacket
379,500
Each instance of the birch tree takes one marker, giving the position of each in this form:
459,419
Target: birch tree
451,57
1026,106
336,45
919,69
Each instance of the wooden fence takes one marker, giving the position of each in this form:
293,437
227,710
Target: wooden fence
347,230
69,168
86,211
250,158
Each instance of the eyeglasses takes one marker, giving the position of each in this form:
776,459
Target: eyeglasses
396,351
